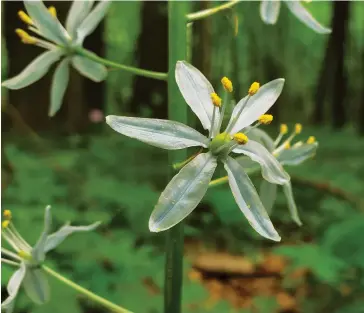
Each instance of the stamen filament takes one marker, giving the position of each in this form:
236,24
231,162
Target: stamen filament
18,241
211,134
19,237
9,240
224,105
10,254
6,261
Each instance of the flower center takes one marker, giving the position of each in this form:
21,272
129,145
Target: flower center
221,144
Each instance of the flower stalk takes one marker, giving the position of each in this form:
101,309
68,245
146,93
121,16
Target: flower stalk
208,12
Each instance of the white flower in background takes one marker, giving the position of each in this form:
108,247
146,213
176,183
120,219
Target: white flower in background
61,43
29,259
187,188
286,154
269,11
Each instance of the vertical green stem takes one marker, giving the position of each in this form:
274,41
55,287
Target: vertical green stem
177,111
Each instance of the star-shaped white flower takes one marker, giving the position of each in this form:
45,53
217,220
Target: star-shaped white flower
269,11
187,188
60,42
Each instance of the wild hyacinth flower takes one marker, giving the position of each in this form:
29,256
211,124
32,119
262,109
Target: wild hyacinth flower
187,188
269,11
29,259
61,43
286,154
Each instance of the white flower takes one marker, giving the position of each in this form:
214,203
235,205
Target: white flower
30,274
60,42
188,187
269,11
286,154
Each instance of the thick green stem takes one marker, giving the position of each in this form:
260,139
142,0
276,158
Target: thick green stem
208,12
88,294
137,71
177,111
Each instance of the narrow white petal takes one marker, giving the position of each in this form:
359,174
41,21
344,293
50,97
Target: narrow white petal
196,91
297,155
306,18
287,188
268,194
77,13
183,193
90,69
257,105
272,170
269,11
248,200
38,252
163,134
36,285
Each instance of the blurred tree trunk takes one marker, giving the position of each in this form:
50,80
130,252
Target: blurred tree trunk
361,107
152,50
33,101
332,75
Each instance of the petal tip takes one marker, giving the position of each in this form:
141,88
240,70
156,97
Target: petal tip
153,227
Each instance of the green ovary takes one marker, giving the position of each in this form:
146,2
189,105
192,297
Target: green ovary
218,142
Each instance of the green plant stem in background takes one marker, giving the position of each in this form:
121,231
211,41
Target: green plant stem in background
177,111
130,69
88,294
208,12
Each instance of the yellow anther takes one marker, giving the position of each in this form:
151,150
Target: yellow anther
287,145
25,17
265,119
53,11
7,214
5,224
228,85
284,129
254,88
311,140
24,255
25,37
241,138
298,128
216,100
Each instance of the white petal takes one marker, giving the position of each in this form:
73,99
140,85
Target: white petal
287,188
77,13
13,288
36,285
183,193
272,170
268,194
262,137
269,11
59,86
92,20
163,134
90,69
297,155
48,25
257,105
306,18
59,236
196,91
34,71
248,200
38,252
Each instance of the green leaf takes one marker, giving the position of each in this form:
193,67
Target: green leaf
248,200
183,193
34,71
36,285
90,69
59,86
163,134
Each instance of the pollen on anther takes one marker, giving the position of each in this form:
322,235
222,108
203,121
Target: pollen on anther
241,138
25,17
287,145
284,129
25,37
216,100
7,214
52,10
298,128
265,119
5,224
311,140
228,85
254,88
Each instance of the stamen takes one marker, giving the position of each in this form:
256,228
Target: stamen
52,10
25,37
311,140
284,129
25,17
265,119
254,88
5,224
228,85
7,214
216,100
241,138
287,145
298,128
